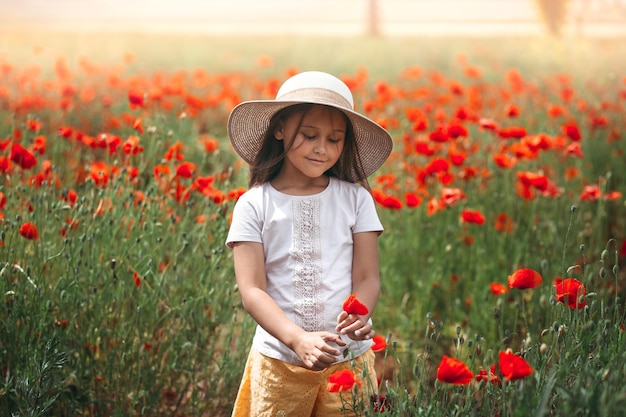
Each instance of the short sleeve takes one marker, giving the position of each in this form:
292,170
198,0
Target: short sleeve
247,223
367,219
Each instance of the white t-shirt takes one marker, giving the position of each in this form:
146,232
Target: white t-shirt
307,241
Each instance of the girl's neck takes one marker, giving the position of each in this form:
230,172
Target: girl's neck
300,186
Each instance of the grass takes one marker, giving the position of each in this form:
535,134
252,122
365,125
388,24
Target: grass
126,303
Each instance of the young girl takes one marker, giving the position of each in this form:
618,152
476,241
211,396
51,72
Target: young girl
304,237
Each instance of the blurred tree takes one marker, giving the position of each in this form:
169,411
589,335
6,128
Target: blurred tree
553,14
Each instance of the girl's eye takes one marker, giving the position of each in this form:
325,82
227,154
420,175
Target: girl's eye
308,136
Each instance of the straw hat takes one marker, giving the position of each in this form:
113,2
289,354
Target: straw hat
249,121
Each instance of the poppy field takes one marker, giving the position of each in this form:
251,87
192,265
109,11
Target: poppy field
504,206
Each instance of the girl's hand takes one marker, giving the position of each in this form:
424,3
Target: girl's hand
355,326
314,350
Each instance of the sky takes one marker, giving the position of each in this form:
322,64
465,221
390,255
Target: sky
290,16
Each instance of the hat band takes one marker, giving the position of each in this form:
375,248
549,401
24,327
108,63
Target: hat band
315,95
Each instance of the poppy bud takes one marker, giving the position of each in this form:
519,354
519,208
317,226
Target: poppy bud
605,254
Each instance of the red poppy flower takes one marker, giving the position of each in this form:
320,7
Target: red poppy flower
175,152
555,111
3,200
437,165
612,195
210,144
504,223
574,150
138,125
488,376
524,278
100,172
571,131
4,144
65,131
488,124
136,279
512,110
457,130
472,216
136,99
387,200
453,371
412,200
514,132
39,145
498,288
392,202
22,156
70,197
513,366
380,343
131,146
538,181
186,170
457,158
423,148
503,160
353,306
33,125
569,291
590,193
451,196
341,381
29,231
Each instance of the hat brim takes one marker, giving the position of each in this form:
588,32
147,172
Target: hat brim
249,121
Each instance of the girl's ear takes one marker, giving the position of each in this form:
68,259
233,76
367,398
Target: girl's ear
279,132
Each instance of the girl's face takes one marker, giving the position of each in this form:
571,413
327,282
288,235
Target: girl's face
314,141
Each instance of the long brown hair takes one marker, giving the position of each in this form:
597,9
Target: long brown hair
271,156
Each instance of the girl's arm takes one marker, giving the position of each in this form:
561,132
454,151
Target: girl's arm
365,284
311,347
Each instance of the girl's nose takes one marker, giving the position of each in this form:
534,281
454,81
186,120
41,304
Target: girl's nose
320,146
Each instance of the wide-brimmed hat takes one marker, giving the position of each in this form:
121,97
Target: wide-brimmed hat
249,121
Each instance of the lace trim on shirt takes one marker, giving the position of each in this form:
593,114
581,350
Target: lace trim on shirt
306,250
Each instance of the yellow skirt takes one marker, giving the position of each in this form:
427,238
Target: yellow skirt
273,388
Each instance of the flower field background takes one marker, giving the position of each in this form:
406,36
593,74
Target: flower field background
503,204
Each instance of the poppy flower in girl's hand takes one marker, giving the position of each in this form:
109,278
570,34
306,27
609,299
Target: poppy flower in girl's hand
353,306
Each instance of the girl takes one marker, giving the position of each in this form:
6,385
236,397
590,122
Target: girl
304,237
